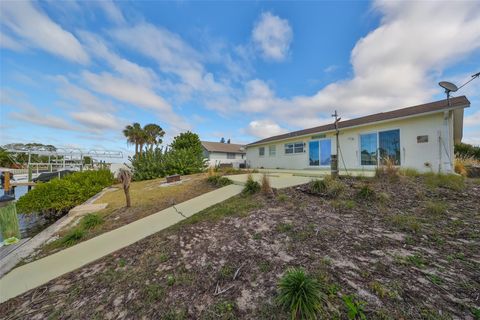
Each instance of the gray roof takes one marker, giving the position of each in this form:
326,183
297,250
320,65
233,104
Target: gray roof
223,147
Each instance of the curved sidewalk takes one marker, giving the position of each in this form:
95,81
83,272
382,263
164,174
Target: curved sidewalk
39,272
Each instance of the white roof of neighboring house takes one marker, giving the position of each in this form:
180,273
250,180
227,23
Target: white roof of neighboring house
223,147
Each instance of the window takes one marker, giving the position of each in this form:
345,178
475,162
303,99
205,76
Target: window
261,151
368,147
422,139
288,148
299,147
272,151
380,147
389,146
296,147
320,152
230,155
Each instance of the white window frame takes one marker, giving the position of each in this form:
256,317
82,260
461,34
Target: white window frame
293,146
260,153
272,150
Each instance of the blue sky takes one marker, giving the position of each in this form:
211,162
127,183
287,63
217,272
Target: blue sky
75,73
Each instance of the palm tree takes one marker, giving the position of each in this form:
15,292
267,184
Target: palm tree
154,134
134,133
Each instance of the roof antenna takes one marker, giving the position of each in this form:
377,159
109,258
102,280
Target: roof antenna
450,87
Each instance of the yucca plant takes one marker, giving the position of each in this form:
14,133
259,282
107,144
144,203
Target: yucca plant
300,294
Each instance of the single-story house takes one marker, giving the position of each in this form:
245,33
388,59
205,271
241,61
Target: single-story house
420,137
223,153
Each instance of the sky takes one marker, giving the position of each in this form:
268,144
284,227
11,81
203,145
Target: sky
75,73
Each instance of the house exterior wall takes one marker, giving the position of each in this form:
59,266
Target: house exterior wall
216,158
438,155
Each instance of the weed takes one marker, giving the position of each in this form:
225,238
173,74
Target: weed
265,186
328,187
170,280
257,236
406,222
226,272
379,289
476,313
435,279
383,197
355,308
72,237
251,186
436,208
284,227
409,172
91,220
122,262
175,315
300,293
164,257
366,193
456,256
282,197
154,292
265,266
225,309
416,260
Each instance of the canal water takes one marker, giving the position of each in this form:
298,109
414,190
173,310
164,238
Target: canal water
31,223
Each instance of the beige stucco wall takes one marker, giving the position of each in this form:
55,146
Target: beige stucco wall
412,154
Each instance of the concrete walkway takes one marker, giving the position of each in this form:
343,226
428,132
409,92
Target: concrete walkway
39,272
277,179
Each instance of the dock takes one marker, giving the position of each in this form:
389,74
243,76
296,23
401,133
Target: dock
23,184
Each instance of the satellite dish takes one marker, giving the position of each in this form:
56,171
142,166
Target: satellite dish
448,86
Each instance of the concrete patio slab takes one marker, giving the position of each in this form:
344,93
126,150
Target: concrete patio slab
39,272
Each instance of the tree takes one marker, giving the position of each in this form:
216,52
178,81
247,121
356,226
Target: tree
228,141
125,177
135,135
222,140
187,140
153,135
5,159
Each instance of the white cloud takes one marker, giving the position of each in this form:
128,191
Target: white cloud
264,128
472,120
9,43
135,94
97,120
36,28
272,35
112,11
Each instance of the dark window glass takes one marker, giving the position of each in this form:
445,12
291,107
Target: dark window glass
368,147
389,146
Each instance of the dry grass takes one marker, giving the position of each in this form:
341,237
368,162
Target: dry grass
266,188
462,162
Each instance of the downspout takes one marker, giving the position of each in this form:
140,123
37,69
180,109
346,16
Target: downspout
446,142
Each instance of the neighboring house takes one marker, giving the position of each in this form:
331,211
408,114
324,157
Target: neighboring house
217,153
420,137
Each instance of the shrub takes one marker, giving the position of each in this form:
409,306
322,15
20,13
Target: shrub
300,294
387,170
58,196
72,237
467,150
265,185
219,181
91,220
406,222
355,308
366,193
251,186
329,187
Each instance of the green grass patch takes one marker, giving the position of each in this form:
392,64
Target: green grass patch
366,193
91,221
72,237
436,208
328,187
448,181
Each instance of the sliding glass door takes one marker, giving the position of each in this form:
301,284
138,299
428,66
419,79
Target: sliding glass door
320,152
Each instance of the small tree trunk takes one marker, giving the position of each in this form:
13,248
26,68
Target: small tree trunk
127,195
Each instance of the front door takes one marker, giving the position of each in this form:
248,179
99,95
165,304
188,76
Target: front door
319,152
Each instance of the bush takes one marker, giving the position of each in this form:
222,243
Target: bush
329,187
436,208
58,196
251,186
185,157
467,151
91,220
219,181
300,294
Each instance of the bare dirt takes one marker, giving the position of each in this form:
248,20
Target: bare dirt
391,252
